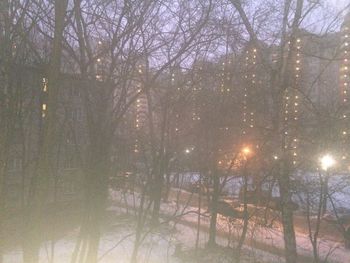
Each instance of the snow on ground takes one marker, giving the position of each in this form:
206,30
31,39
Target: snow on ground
157,248
335,251
339,185
116,246
117,243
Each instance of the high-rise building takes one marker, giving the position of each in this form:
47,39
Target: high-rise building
344,82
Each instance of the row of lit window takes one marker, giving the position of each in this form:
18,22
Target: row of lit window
344,73
248,116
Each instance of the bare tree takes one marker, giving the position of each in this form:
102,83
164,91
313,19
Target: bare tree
40,181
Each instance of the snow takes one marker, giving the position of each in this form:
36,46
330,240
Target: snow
339,186
270,236
160,243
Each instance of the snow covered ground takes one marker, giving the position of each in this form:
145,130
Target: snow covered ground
272,237
157,248
117,241
339,186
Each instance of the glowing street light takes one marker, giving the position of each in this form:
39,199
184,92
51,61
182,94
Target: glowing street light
327,161
246,150
189,150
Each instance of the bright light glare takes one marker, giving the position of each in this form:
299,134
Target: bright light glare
187,150
327,161
246,150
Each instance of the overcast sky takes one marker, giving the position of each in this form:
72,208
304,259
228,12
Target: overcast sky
322,19
338,4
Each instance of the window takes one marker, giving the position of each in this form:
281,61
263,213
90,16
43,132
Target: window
76,92
76,114
14,164
70,138
73,91
68,187
79,114
70,162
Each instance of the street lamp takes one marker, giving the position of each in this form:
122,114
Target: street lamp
189,150
327,161
246,151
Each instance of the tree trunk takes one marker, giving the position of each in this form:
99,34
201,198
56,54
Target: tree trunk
325,194
287,215
96,194
199,211
33,233
157,195
140,224
245,215
214,214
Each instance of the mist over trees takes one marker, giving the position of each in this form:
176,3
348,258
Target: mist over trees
174,131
